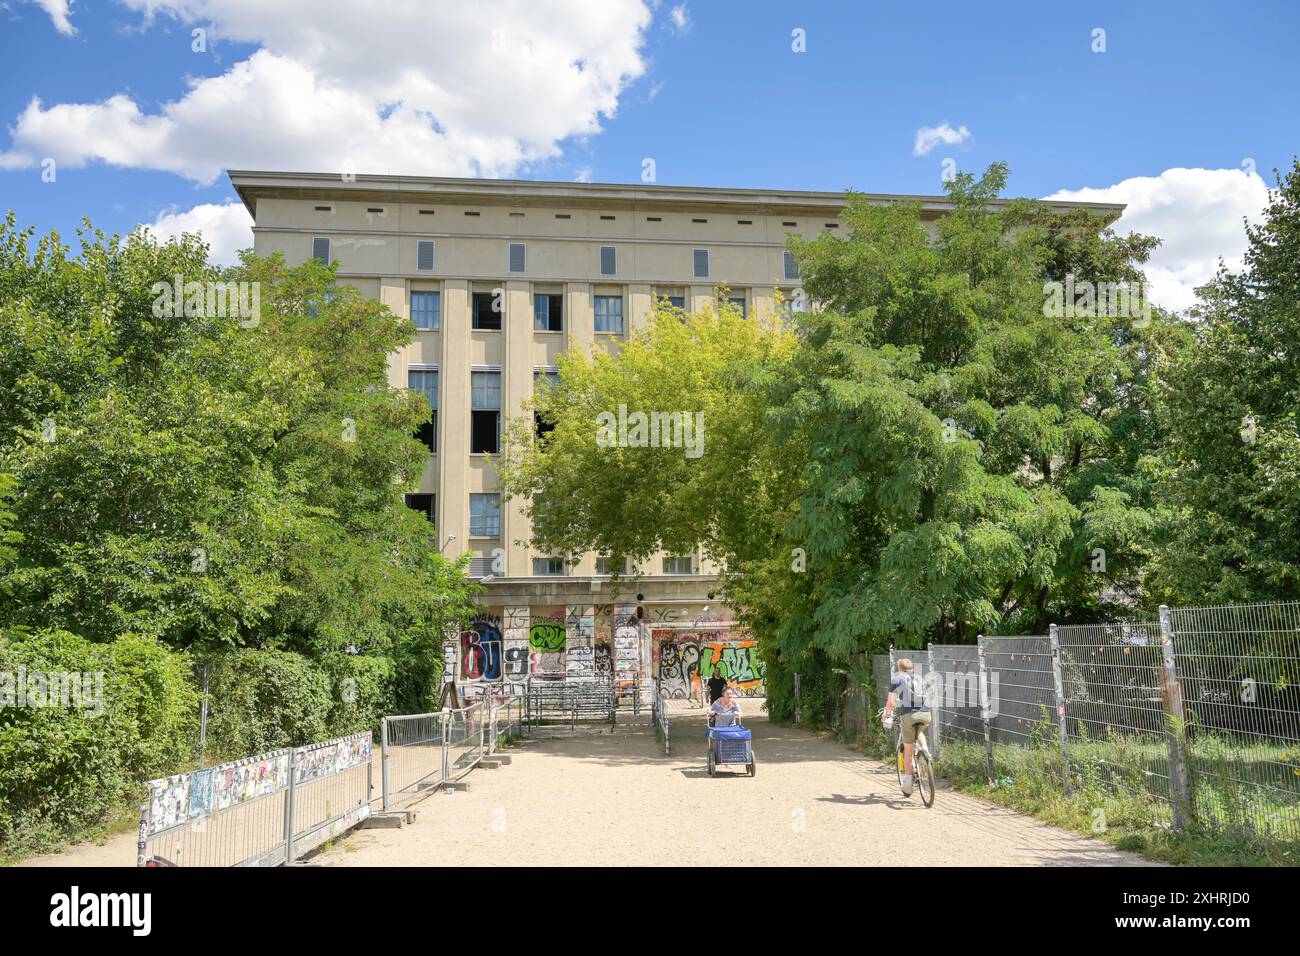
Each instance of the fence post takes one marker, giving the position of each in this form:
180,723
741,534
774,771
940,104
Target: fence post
288,806
142,838
932,683
796,699
383,759
984,712
1058,687
446,744
1171,695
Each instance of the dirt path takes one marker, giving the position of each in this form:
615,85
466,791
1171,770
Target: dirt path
616,800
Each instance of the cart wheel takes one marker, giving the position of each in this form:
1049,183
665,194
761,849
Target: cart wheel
753,768
712,772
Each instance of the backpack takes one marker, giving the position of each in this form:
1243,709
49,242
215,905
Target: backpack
911,690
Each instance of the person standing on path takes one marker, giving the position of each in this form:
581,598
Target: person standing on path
717,684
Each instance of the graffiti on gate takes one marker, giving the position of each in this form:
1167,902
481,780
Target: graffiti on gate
627,656
738,662
546,643
687,659
579,645
679,669
515,652
480,649
604,663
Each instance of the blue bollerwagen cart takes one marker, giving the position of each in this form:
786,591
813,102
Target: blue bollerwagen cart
731,745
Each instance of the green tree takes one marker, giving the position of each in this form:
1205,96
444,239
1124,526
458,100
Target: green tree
1229,472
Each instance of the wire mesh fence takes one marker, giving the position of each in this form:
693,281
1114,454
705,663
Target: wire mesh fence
465,741
1240,669
412,755
1196,714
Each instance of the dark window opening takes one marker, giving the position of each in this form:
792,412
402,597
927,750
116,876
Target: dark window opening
548,312
423,503
487,311
485,432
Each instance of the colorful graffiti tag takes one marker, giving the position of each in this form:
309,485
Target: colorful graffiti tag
546,642
687,659
515,653
480,650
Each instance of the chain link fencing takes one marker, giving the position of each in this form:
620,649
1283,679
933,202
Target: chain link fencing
1196,714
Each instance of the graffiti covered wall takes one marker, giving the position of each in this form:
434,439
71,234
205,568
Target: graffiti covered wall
687,659
546,646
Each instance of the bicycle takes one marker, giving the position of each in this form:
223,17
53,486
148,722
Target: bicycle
922,769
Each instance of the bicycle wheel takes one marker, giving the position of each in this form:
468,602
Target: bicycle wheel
924,777
898,763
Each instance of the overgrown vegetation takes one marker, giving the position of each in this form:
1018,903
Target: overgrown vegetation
182,486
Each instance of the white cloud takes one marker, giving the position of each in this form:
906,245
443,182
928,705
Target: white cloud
679,18
928,137
437,89
1197,213
59,11
225,227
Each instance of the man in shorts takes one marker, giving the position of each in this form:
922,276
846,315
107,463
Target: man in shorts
907,695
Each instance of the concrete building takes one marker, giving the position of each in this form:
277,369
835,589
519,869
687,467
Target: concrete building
500,277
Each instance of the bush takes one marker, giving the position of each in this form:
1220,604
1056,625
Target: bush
363,692
265,700
68,768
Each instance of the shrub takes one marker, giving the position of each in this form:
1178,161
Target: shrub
362,692
67,769
264,700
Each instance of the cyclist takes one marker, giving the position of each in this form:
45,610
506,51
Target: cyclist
907,694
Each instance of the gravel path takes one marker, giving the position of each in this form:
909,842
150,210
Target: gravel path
616,799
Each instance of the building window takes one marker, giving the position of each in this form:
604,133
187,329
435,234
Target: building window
425,504
608,261
485,413
548,312
679,565
426,310
424,255
425,381
609,313
485,516
791,266
701,257
548,567
737,302
313,307
487,312
610,565
320,249
518,257
543,379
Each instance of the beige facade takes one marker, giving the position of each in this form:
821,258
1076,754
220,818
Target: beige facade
379,227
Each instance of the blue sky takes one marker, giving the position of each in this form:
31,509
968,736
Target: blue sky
1185,101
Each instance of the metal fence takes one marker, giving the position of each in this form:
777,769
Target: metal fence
1196,713
659,719
266,810
422,752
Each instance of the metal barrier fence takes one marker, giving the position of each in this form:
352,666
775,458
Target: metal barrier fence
570,702
422,752
659,719
260,811
411,754
1197,713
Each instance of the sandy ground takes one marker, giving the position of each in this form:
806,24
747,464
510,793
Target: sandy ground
617,800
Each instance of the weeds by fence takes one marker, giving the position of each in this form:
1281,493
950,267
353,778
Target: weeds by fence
1195,717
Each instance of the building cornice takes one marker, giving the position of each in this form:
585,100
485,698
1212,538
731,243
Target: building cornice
252,185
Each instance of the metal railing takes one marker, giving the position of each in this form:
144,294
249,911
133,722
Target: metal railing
266,810
659,720
556,702
421,752
1197,713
